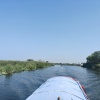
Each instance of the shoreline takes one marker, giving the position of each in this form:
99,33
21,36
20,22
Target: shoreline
11,67
91,66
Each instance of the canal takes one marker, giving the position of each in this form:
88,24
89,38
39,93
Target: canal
20,85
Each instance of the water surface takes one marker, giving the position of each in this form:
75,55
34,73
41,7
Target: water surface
20,85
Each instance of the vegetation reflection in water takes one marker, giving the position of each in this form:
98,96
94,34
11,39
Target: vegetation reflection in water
10,67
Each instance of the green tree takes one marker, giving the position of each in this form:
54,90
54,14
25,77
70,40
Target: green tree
94,58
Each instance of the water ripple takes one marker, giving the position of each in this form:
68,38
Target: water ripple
20,85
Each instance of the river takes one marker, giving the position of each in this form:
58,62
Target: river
20,85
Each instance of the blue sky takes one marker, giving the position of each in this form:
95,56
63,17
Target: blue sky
54,30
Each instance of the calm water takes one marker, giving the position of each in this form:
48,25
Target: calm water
20,85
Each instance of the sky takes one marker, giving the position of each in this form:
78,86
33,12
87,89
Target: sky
64,31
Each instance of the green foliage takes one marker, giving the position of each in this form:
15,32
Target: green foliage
31,66
9,67
17,68
97,65
94,58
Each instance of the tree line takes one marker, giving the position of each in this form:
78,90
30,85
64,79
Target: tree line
93,60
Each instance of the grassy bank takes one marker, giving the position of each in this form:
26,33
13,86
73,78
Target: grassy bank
10,67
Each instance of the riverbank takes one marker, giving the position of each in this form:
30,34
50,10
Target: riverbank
91,66
10,67
93,61
23,84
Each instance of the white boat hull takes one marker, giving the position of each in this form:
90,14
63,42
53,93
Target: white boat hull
59,88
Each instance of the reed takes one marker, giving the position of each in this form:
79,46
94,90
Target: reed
10,67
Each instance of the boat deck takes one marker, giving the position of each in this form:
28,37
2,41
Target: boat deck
59,88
